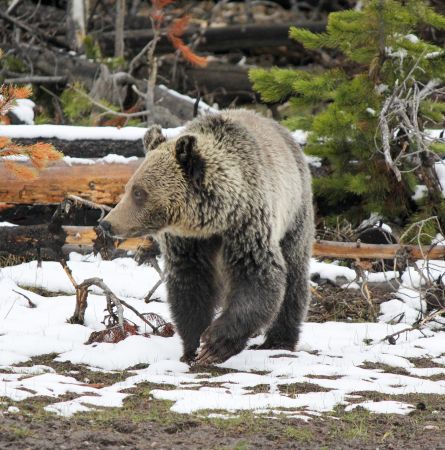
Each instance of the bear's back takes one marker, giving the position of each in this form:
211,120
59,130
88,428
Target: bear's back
272,165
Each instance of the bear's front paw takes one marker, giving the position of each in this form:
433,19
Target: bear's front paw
188,357
215,347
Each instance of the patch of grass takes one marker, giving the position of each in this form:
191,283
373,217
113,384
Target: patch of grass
300,388
259,389
422,363
212,371
353,425
299,434
242,445
15,432
11,260
325,377
79,372
384,368
44,292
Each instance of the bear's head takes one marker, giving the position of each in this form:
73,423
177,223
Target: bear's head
163,193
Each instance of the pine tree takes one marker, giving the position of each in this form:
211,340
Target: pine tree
368,121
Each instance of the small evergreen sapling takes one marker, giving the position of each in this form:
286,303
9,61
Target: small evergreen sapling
369,121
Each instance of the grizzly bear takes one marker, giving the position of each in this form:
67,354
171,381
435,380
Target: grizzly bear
230,203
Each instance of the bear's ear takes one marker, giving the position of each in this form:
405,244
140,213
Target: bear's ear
153,137
190,160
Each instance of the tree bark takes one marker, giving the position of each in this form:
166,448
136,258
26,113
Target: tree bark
76,24
100,183
119,29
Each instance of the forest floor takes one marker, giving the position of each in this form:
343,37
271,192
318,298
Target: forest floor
344,387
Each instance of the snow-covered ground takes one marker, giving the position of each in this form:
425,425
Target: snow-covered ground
330,355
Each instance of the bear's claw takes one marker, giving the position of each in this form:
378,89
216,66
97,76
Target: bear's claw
216,348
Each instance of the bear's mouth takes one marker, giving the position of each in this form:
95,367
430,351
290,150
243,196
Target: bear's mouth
131,233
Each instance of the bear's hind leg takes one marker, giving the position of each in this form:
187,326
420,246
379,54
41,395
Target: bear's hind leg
192,288
285,330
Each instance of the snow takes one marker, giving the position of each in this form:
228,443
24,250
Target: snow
412,38
300,136
386,407
108,159
24,110
440,171
335,350
420,192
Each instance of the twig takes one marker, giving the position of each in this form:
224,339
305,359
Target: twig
69,273
391,338
79,200
105,108
154,329
31,303
110,296
152,291
32,30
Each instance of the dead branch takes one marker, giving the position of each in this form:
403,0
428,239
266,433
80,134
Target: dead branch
81,201
152,291
30,302
36,80
392,338
34,31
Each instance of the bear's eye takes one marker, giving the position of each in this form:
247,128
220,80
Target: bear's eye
139,194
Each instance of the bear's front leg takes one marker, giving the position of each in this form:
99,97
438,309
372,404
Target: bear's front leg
257,281
191,289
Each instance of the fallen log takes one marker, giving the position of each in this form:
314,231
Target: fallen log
356,250
90,148
24,238
217,39
223,81
73,68
27,240
101,183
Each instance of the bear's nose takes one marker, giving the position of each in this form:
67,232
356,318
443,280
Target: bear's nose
106,226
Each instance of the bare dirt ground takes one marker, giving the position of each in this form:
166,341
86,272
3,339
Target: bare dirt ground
144,423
